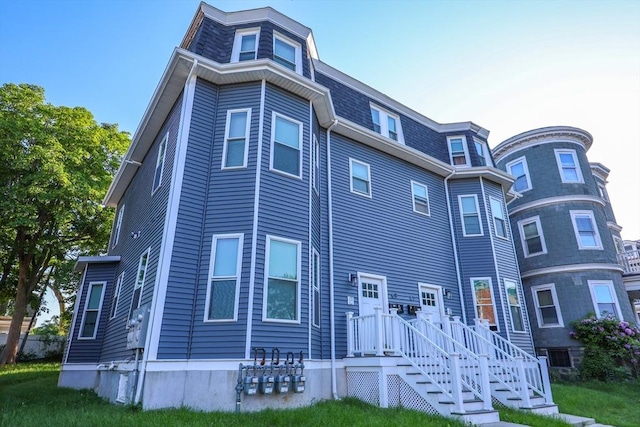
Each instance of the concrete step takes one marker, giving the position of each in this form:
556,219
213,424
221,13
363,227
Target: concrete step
503,424
575,420
481,417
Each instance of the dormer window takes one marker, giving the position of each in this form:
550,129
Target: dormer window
245,45
483,152
458,151
386,123
287,53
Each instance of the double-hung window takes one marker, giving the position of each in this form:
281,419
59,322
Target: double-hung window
470,214
162,150
420,196
483,297
236,139
483,152
515,306
386,123
315,164
531,237
619,245
139,285
458,151
116,296
92,309
282,293
287,53
360,177
568,166
584,226
315,288
245,45
602,191
224,278
116,231
499,221
545,300
286,145
519,169
605,300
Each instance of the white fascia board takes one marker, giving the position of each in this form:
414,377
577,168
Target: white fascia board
600,170
489,173
570,198
548,134
375,140
571,268
391,103
84,260
172,84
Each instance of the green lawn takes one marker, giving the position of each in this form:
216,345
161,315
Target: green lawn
29,397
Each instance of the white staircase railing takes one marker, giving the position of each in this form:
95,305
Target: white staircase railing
511,366
449,366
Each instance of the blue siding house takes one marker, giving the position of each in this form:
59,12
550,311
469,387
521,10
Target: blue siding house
280,224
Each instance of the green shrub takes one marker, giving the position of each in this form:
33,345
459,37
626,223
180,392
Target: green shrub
612,348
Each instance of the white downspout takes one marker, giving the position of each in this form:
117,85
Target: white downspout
334,378
455,246
154,300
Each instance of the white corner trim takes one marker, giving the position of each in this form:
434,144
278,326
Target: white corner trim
572,268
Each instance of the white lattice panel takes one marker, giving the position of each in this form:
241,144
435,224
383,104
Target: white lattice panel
402,394
364,386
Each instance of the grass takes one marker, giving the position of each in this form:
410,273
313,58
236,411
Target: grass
611,403
29,396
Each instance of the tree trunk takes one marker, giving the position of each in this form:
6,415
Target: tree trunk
20,310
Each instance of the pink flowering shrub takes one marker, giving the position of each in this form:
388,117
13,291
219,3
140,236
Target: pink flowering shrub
610,345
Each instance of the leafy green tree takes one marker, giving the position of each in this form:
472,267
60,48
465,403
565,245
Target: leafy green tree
56,164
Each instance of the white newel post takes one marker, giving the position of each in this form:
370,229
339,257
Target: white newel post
456,386
422,317
522,378
546,385
350,325
484,378
456,330
379,332
394,329
483,330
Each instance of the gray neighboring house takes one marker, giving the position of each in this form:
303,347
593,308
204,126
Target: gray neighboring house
571,255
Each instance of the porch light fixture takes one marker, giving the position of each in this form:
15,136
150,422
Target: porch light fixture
447,293
353,279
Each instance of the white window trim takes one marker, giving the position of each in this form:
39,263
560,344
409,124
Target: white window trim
525,248
292,43
144,279
618,241
503,218
556,304
297,321
313,288
116,296
493,300
413,198
464,229
99,310
520,304
609,284
525,167
485,150
247,130
214,239
575,214
465,148
237,42
351,162
273,143
602,191
384,123
116,232
160,160
575,161
315,165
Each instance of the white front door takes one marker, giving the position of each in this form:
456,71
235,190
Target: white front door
372,294
431,302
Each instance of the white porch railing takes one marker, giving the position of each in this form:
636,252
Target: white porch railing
449,366
630,261
512,367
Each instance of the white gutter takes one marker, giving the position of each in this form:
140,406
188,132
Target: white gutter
455,246
334,378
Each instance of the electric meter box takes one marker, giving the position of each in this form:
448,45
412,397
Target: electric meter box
137,328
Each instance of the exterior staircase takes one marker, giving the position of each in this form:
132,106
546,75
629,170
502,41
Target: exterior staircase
448,369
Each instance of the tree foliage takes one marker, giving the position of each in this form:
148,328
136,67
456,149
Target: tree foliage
56,164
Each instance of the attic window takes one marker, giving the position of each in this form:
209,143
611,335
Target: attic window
287,53
245,45
386,123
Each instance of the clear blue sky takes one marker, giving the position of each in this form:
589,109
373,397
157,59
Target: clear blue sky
509,66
